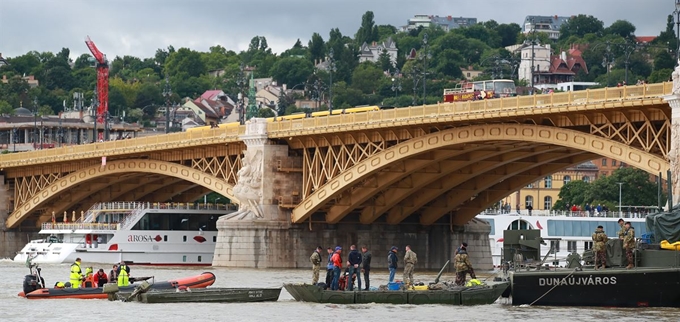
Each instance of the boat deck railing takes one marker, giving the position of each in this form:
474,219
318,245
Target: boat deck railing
127,206
80,226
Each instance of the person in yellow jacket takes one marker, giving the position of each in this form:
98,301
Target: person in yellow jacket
76,274
123,273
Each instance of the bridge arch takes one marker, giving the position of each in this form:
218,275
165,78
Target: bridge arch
118,168
478,134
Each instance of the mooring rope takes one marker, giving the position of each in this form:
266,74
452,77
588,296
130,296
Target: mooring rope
554,286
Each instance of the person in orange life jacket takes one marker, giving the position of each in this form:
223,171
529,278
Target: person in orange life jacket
101,278
337,264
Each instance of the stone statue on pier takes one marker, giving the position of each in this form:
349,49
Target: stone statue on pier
248,188
674,101
676,79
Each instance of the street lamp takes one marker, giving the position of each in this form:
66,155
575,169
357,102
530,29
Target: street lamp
35,120
240,83
95,106
167,93
331,69
396,83
620,184
14,138
426,54
218,198
677,23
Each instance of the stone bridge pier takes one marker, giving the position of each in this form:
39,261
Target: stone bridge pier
261,234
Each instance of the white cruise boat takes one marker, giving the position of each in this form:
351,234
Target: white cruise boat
565,233
137,232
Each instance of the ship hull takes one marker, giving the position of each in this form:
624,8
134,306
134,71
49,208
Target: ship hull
642,287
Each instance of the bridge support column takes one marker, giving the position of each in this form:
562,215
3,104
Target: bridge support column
11,240
258,234
674,101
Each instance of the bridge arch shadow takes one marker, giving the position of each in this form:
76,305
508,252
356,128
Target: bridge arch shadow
479,134
120,168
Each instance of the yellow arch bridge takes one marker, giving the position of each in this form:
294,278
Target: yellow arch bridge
429,164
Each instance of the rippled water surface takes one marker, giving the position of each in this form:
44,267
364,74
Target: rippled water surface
286,309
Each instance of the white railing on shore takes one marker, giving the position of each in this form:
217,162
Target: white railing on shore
548,213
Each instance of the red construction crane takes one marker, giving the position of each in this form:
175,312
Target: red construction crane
102,80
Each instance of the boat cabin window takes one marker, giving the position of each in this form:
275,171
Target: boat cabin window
176,221
571,246
519,225
585,228
53,239
587,245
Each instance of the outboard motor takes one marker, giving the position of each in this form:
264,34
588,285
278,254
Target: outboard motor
30,284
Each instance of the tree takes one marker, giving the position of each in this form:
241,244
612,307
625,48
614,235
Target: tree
663,60
660,75
368,32
386,31
667,37
291,70
6,108
317,47
580,26
621,28
574,193
265,112
508,33
385,61
186,61
366,77
636,189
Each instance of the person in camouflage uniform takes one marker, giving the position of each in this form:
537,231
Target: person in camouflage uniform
463,265
316,264
410,260
621,224
599,240
629,244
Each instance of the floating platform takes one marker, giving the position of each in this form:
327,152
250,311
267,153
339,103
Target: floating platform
477,295
206,295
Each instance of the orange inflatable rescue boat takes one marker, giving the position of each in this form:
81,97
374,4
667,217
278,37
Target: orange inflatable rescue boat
34,287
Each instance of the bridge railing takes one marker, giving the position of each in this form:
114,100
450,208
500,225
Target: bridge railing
135,144
478,109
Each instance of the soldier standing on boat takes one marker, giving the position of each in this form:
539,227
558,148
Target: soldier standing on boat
366,262
463,266
599,240
629,244
410,260
316,264
621,224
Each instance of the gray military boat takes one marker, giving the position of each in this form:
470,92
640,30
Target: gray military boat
476,295
653,282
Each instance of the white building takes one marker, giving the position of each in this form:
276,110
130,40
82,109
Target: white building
548,24
541,61
373,51
446,23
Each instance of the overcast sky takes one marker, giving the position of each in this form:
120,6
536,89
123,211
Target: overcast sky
139,27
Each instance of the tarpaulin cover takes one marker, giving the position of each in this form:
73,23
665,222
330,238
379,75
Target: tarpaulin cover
664,226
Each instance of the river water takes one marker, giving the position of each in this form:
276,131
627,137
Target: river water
15,308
